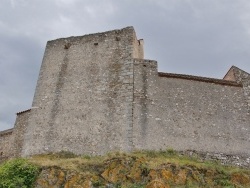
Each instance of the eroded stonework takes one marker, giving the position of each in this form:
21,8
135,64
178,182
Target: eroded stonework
96,93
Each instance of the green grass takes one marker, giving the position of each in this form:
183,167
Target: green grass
154,159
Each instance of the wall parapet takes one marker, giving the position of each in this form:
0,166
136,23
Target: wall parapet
21,112
199,78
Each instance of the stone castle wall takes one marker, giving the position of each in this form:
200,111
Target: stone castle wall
187,112
97,94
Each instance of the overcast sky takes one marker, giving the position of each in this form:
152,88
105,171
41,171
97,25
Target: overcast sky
197,37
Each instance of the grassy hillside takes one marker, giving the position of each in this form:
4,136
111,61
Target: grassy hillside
149,169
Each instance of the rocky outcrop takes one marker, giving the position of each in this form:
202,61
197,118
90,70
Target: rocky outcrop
130,171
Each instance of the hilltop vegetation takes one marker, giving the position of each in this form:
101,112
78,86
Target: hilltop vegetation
18,173
148,169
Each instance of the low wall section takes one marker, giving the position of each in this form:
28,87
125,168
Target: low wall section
6,143
18,132
11,141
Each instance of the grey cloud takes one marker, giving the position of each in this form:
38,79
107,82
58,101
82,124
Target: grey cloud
18,74
202,37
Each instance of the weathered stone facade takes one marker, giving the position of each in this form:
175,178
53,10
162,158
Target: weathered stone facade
97,94
18,132
6,141
11,141
187,112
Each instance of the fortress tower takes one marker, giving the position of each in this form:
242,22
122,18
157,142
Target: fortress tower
84,94
96,93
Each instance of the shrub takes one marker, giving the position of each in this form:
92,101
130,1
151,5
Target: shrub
171,151
65,155
18,173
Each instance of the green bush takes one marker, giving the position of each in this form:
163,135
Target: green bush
18,173
171,151
65,155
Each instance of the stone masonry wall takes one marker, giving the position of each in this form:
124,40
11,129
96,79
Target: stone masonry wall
18,132
225,159
244,78
84,94
6,141
11,141
188,113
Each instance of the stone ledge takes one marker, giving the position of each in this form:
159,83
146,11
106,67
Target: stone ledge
201,79
18,113
242,161
6,132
